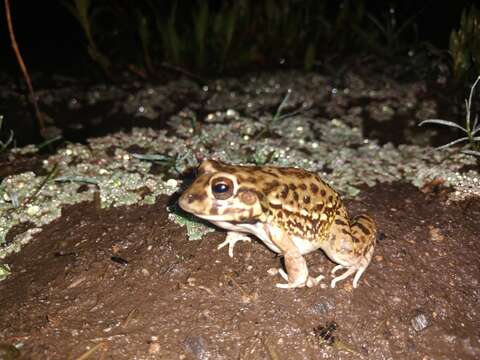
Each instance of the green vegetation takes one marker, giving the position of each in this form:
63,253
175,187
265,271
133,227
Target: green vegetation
212,37
473,141
465,44
86,13
383,35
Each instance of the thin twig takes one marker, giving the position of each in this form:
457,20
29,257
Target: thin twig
18,55
47,178
183,72
129,318
90,352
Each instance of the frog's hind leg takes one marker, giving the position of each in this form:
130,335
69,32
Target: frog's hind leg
359,269
296,273
365,229
363,237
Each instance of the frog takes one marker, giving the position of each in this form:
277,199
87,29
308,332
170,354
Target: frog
291,210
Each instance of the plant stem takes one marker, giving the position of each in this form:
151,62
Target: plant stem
469,109
18,55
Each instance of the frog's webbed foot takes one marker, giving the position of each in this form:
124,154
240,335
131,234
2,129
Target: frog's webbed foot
232,238
359,271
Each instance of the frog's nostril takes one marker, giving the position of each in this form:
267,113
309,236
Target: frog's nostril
186,199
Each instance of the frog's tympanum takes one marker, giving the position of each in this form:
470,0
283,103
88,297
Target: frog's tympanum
291,210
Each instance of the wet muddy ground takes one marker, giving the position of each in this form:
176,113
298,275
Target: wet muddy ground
124,283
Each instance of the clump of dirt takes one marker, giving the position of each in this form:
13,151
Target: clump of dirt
124,283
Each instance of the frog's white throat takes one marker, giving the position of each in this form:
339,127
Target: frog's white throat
258,229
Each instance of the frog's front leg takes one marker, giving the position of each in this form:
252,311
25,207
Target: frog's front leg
232,238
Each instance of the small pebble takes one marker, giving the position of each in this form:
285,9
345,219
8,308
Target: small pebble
435,234
145,272
272,271
172,183
420,322
119,260
154,348
197,346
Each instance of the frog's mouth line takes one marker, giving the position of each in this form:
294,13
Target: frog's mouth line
221,217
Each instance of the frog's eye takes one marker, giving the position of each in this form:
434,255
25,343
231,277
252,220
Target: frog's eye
222,188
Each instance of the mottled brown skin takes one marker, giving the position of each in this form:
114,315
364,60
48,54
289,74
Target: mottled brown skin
291,210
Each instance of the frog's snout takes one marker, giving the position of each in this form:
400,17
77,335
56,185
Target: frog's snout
184,200
192,201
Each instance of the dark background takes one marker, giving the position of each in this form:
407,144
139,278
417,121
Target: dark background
51,39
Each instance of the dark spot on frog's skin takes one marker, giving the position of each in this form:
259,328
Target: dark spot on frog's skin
330,199
323,192
363,228
245,220
345,231
367,249
303,187
196,197
292,186
252,179
355,239
280,214
264,209
270,186
292,224
284,171
314,188
275,206
319,207
259,194
214,210
306,199
268,173
340,222
284,192
295,196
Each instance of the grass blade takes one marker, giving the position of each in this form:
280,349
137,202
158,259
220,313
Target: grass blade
471,152
452,143
442,122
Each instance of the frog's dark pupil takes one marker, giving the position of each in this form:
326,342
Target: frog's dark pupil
220,188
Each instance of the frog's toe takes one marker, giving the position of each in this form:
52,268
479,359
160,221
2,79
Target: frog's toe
232,238
290,285
283,274
358,275
346,274
314,281
336,268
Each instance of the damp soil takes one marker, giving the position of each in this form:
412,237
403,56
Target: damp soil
125,283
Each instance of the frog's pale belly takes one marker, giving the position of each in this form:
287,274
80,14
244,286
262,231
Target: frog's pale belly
303,245
291,210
